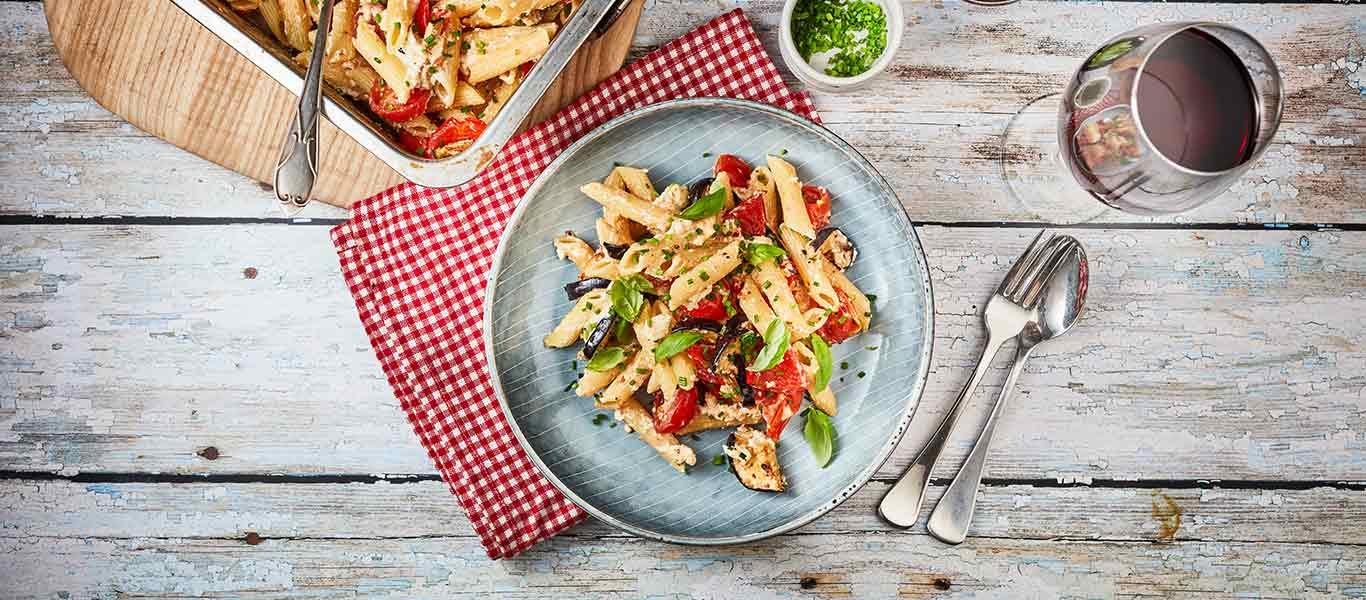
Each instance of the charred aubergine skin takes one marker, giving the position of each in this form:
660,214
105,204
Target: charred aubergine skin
754,459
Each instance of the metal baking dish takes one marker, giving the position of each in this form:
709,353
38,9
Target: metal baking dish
259,47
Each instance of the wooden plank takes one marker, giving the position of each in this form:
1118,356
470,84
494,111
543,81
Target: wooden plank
66,509
930,126
1203,355
869,565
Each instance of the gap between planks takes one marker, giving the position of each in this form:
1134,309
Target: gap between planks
405,478
151,221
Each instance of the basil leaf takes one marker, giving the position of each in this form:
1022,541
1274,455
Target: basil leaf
705,206
674,343
823,362
626,298
775,346
820,435
758,254
605,359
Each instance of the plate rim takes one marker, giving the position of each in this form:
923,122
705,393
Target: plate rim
862,478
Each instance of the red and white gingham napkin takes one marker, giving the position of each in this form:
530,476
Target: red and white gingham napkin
417,261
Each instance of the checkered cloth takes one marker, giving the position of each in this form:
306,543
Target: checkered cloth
417,261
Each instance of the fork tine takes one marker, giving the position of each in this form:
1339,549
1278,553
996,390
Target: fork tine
1030,266
1008,281
1030,293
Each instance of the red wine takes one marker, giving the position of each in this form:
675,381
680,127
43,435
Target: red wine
1197,103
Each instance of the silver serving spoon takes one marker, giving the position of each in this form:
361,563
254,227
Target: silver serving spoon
298,165
1060,305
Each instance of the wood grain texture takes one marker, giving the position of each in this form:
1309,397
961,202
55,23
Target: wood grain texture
931,126
163,72
386,509
866,565
1203,355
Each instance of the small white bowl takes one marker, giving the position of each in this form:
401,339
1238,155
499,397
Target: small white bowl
891,9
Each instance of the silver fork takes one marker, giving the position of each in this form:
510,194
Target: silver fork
1006,314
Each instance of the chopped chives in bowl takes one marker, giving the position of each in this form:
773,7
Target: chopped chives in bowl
842,38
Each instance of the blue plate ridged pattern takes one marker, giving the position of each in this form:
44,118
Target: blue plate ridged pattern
611,473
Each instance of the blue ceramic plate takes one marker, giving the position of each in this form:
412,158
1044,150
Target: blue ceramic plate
612,474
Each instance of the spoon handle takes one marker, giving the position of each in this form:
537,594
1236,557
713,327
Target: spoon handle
901,505
951,516
298,166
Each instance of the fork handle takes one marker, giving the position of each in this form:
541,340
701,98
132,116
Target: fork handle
951,517
298,166
901,505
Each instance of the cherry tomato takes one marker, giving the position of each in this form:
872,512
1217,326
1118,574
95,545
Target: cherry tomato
384,104
453,130
413,143
841,324
778,391
672,416
736,169
784,377
777,409
817,205
751,215
711,307
421,15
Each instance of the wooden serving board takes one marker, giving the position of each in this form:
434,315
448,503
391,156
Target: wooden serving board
158,68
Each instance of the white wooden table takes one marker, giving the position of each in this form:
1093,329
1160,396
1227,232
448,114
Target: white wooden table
188,405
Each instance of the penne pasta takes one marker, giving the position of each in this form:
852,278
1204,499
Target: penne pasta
296,23
637,182
664,380
761,180
808,265
590,308
634,375
409,59
824,399
593,382
859,305
628,206
695,283
678,455
492,52
793,207
774,285
684,373
753,304
393,71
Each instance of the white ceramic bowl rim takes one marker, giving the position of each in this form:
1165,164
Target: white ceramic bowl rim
891,9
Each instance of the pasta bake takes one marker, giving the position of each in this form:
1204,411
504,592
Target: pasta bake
435,71
712,306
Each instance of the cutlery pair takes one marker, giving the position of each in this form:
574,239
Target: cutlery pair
1014,310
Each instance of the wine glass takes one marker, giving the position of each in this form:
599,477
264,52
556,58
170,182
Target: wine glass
1158,120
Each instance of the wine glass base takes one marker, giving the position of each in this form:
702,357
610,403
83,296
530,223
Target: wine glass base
1034,169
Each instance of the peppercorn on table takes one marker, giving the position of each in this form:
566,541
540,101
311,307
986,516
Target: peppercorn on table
190,406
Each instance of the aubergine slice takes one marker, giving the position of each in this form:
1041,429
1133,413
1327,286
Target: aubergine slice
754,458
